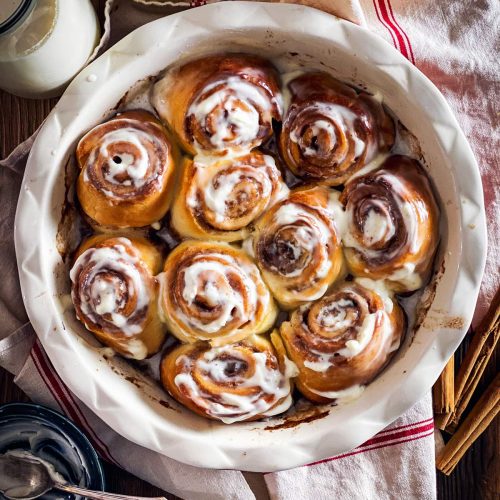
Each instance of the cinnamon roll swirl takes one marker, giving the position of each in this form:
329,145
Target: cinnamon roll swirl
297,248
127,166
391,224
115,293
218,199
213,291
237,382
330,131
342,341
220,103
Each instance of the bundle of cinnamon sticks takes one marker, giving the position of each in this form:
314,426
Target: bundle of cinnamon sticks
452,394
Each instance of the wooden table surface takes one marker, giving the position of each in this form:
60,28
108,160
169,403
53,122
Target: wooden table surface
477,475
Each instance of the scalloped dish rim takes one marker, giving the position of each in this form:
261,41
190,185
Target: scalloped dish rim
357,56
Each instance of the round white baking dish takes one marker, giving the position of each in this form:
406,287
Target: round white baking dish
136,407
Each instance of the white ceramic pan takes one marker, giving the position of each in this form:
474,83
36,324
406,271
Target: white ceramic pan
137,408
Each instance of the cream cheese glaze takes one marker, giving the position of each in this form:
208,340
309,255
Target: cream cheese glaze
217,292
213,292
240,111
342,396
378,228
127,159
313,234
343,119
112,274
135,168
216,186
272,384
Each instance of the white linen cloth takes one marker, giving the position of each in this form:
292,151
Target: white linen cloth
455,44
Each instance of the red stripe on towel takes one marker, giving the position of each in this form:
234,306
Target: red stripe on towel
392,429
379,16
403,32
364,450
65,400
385,15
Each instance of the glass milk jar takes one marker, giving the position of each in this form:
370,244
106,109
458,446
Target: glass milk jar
44,43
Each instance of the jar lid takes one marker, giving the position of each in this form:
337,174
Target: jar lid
12,13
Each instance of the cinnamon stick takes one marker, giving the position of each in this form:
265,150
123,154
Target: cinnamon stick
443,394
473,426
476,358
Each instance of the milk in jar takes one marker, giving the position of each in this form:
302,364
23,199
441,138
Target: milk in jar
44,44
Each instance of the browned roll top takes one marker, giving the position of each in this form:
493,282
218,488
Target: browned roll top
113,264
235,382
248,69
330,131
343,340
297,247
392,223
134,139
218,199
213,291
220,103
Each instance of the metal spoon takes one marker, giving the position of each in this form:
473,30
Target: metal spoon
25,478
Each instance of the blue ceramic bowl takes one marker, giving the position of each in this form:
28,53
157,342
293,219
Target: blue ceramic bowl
52,437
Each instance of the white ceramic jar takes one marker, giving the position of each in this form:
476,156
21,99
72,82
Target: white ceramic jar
44,44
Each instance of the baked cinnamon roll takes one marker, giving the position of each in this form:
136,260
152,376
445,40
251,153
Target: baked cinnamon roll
217,199
127,166
115,293
330,131
297,248
391,226
232,383
220,103
213,291
341,342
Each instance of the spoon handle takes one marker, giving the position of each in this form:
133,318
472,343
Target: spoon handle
100,495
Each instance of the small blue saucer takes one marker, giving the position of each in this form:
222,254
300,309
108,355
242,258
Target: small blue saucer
52,437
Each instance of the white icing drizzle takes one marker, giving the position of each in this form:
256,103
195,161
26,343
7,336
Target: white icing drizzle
381,289
239,103
339,215
112,275
407,276
339,120
236,407
247,247
333,317
379,227
314,234
216,198
345,395
122,168
135,168
363,336
219,182
136,349
209,279
370,166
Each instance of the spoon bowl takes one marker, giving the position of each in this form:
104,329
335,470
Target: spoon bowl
23,478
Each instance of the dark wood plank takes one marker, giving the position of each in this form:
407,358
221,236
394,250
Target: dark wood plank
9,392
